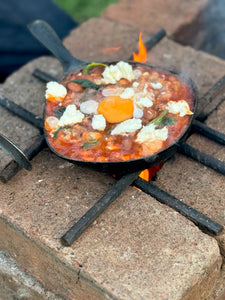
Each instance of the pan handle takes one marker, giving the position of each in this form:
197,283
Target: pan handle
45,34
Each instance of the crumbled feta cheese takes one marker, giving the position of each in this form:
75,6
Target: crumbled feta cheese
135,84
179,107
137,73
54,89
144,102
113,73
143,94
156,85
71,116
89,107
149,134
127,94
98,122
127,126
138,113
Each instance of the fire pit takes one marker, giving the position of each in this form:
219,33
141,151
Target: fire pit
106,230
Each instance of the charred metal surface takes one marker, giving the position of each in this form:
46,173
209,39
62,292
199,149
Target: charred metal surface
43,76
202,157
78,228
21,112
208,132
13,167
195,216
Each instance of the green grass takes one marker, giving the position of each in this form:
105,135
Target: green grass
81,10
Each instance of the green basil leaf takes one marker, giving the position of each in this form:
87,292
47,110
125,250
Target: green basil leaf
158,120
90,144
168,121
58,130
87,84
92,65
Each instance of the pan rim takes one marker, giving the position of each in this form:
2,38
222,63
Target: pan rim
181,76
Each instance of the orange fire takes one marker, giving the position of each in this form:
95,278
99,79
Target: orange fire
147,174
142,54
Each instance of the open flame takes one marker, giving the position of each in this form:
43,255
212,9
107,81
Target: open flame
147,174
141,56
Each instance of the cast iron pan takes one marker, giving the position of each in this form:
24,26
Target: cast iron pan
43,32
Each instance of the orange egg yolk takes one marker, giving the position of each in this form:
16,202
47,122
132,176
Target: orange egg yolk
116,109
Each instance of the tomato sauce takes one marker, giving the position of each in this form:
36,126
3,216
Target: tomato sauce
80,141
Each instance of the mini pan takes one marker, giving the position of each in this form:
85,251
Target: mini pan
43,32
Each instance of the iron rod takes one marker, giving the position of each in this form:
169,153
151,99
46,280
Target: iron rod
13,167
201,220
208,132
99,207
43,76
208,98
155,38
202,157
21,112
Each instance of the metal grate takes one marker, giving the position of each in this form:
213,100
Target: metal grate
202,221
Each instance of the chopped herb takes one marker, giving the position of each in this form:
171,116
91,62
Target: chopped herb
58,130
168,121
158,120
88,84
90,144
92,65
58,113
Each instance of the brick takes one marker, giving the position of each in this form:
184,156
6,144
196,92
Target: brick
137,249
150,16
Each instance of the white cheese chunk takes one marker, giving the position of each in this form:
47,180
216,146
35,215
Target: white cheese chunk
137,73
54,89
149,134
138,113
156,85
127,126
89,107
179,107
144,102
113,73
127,94
71,116
135,84
98,122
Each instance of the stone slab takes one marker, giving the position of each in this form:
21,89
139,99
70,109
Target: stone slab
137,249
17,284
150,16
101,40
